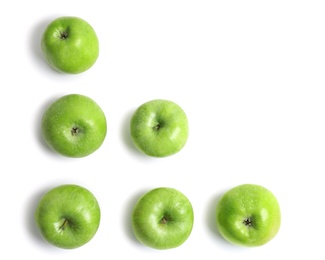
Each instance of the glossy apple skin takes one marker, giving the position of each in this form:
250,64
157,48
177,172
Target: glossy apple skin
248,215
68,216
159,128
163,218
70,45
67,114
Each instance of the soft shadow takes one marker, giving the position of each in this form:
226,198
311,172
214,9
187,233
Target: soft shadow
128,216
38,124
126,135
36,37
30,220
211,217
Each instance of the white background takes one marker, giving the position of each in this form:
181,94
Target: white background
250,76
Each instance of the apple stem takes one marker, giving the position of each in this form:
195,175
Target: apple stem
247,222
163,220
63,35
156,127
64,225
74,130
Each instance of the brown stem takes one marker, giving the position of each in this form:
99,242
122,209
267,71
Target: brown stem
64,225
63,35
247,222
74,130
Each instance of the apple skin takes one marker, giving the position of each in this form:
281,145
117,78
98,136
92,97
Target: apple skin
68,216
159,128
162,218
70,45
248,215
74,126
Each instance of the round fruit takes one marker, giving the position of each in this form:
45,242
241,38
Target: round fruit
74,126
70,45
163,218
159,128
248,215
68,216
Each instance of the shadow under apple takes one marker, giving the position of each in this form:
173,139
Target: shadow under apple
35,40
126,135
129,205
38,125
30,220
211,218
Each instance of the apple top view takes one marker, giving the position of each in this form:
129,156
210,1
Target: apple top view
68,216
163,218
248,215
74,126
70,45
159,128
162,130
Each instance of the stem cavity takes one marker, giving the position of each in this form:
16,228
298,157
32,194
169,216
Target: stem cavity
74,131
64,35
156,127
247,222
165,219
64,225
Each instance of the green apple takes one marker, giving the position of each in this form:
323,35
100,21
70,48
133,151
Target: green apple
70,45
248,215
162,218
159,128
74,126
68,216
